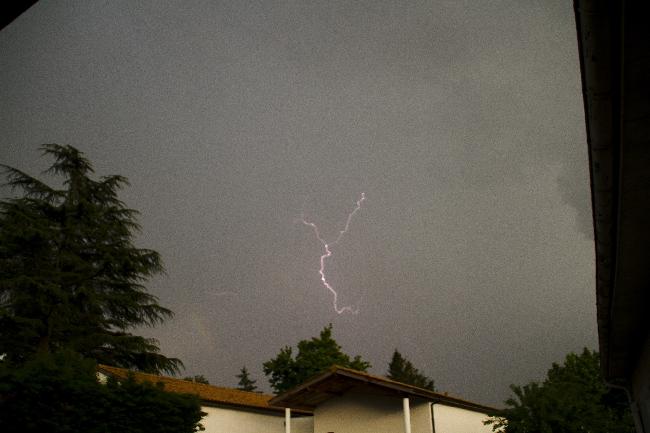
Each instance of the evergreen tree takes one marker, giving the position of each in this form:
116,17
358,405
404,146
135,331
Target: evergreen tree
315,355
245,382
402,370
572,399
70,276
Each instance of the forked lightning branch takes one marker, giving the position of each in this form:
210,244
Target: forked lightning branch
327,253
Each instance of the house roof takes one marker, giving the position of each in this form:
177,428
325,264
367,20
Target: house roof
207,393
13,11
336,381
614,66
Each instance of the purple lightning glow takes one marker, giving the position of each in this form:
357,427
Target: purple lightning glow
328,253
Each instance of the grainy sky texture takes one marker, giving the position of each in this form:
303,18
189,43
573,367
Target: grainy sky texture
461,121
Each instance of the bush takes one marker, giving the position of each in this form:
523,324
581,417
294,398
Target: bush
61,393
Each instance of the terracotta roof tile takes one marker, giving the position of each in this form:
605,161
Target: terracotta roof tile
207,393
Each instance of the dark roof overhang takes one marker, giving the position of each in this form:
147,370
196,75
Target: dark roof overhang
615,69
11,10
337,381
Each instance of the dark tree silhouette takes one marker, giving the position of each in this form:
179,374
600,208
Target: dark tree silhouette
401,370
572,399
245,382
70,276
59,393
199,378
315,355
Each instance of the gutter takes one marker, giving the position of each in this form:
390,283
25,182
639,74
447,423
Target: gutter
599,25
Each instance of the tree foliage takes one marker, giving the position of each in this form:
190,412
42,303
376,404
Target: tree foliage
315,355
572,399
70,276
199,378
402,370
245,382
59,392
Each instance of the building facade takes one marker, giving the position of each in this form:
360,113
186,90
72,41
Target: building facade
348,401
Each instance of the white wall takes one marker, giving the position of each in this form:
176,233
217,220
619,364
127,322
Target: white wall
421,417
302,425
449,419
363,413
233,420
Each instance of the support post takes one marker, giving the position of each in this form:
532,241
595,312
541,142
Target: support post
287,420
407,415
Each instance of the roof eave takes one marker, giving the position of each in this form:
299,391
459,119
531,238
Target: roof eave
596,54
614,67
405,390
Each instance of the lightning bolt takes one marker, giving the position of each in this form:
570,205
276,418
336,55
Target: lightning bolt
328,253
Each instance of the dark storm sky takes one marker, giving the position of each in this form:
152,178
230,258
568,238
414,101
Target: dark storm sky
461,121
